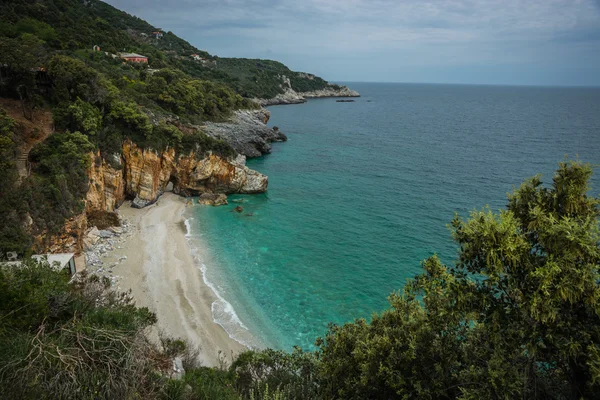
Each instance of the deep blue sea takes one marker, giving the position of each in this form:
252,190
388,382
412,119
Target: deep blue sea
362,192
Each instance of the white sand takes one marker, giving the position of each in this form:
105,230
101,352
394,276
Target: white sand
162,276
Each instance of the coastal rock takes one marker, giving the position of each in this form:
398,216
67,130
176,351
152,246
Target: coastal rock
106,185
290,96
141,203
332,91
211,199
246,132
117,230
68,240
105,234
214,174
146,174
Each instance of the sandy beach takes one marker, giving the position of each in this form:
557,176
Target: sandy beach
162,276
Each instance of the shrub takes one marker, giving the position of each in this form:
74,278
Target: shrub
61,340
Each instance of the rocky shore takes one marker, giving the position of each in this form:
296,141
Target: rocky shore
290,96
247,132
99,246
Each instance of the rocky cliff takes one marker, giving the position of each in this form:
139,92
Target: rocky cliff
144,175
106,189
290,96
247,132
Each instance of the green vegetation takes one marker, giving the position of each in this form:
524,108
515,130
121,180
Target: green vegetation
52,193
516,317
58,184
12,208
61,340
255,78
48,59
71,25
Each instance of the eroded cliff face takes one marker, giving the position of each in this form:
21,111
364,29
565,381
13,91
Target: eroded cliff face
68,240
145,174
106,185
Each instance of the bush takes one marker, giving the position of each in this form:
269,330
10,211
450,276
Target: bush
258,372
202,144
61,340
78,116
59,181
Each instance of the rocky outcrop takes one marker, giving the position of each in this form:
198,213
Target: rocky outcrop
290,96
212,199
106,185
68,240
214,174
145,174
331,91
246,132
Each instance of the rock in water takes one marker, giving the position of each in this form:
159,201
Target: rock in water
213,199
239,209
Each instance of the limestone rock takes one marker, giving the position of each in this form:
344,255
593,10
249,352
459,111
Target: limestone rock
290,96
146,173
104,234
212,199
246,132
117,230
68,240
106,185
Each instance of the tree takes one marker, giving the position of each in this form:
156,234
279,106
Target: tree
78,116
518,316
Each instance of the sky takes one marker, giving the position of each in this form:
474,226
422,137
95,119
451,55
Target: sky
515,42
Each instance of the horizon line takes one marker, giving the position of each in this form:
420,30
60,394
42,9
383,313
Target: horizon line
475,84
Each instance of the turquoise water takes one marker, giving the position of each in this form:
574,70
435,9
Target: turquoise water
362,192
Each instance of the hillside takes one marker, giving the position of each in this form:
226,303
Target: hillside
64,59
69,26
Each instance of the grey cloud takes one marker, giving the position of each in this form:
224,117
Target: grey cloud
417,32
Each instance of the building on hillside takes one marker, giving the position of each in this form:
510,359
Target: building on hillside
196,57
133,57
96,48
56,261
157,35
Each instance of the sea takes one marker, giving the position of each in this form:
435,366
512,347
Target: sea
363,192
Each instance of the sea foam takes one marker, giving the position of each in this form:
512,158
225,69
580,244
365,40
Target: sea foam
222,311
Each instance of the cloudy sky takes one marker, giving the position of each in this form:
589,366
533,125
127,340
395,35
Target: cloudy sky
533,42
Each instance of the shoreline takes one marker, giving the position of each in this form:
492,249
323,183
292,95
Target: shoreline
156,263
